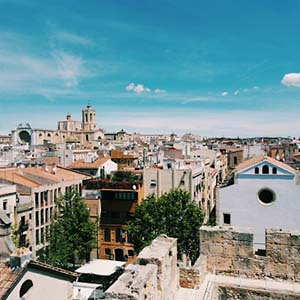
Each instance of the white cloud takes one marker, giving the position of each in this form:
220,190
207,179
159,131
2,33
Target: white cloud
73,38
139,88
256,87
245,90
224,94
216,123
69,67
130,87
159,91
291,79
236,92
25,73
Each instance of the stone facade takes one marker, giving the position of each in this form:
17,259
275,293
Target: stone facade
69,131
138,282
228,293
230,251
192,277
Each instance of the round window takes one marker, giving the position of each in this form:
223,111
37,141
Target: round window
266,196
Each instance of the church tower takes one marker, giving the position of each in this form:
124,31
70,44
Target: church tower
88,118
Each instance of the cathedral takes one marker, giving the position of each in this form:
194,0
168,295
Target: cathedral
84,133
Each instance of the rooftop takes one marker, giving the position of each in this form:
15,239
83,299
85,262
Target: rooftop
257,159
81,164
101,267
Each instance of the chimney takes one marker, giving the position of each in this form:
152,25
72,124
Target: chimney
54,169
19,258
45,167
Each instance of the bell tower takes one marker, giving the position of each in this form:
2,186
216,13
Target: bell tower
88,118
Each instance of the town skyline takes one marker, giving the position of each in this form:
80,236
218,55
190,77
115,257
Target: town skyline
214,69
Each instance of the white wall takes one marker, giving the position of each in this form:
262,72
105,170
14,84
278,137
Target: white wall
241,201
8,194
110,166
44,287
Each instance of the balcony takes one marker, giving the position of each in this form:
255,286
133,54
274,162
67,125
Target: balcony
100,184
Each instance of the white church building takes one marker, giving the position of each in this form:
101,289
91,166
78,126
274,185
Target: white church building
265,194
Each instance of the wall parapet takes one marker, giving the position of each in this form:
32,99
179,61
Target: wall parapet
230,251
155,274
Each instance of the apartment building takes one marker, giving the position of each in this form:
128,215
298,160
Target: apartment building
38,188
118,203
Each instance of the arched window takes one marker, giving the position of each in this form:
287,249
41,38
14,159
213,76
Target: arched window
274,170
256,170
265,169
26,286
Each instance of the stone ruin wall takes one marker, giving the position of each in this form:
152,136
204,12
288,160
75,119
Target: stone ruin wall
230,251
154,276
229,293
192,277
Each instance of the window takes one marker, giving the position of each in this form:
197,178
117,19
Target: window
226,219
107,235
25,287
42,235
153,183
37,218
256,170
36,200
115,215
42,217
265,169
107,251
42,199
266,196
130,253
37,237
129,239
274,170
235,161
119,235
46,197
87,137
4,204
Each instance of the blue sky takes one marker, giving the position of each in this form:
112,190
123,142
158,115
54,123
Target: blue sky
216,68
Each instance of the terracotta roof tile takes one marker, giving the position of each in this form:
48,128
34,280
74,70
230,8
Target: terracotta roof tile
29,177
80,164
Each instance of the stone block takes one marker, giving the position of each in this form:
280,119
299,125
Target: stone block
294,240
216,249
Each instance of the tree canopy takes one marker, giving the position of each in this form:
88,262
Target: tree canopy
173,214
72,233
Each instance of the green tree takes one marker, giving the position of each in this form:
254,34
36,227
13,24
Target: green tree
72,233
173,214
